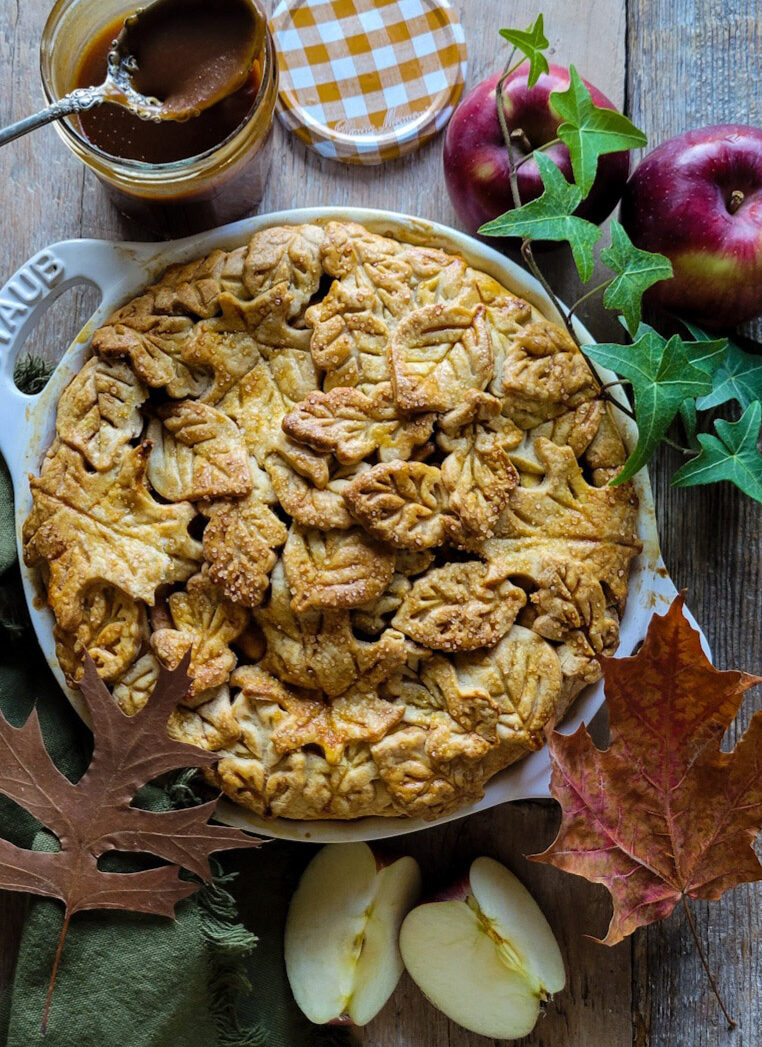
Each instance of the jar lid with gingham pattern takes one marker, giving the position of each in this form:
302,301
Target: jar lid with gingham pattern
365,81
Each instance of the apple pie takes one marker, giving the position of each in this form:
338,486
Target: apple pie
368,487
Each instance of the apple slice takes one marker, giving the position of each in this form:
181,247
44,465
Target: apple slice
483,953
341,944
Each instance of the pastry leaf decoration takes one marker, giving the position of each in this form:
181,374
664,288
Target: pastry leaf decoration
663,814
95,815
129,539
589,131
530,42
652,365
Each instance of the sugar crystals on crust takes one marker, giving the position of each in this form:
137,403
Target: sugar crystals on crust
367,486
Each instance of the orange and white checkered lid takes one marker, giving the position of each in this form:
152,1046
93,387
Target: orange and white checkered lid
365,81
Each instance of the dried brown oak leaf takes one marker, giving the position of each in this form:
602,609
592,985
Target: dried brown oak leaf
663,814
94,815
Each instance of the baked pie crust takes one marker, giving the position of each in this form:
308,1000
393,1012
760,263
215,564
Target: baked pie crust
368,486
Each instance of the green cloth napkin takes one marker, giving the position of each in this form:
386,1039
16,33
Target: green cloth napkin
133,980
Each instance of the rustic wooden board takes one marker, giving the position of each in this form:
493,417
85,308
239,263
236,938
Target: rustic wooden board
691,64
596,1008
687,62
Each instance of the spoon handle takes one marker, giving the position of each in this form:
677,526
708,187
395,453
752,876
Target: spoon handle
76,101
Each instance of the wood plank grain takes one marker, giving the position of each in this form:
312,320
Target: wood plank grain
54,198
690,62
593,1010
694,63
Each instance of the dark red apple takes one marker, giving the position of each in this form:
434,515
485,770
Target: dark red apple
698,199
476,160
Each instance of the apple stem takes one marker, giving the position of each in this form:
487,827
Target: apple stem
518,136
736,199
731,1022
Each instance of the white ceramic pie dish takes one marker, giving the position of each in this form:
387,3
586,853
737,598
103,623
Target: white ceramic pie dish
119,271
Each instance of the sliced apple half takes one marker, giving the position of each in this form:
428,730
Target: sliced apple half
342,931
483,953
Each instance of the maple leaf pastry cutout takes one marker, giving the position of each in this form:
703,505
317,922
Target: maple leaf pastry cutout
362,468
664,812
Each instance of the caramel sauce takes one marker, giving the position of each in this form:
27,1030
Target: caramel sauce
189,53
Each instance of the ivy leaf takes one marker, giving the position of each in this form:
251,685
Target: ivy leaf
636,271
738,375
531,42
739,378
663,377
731,455
705,353
589,131
551,217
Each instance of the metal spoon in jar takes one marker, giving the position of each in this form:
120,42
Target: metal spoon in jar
170,61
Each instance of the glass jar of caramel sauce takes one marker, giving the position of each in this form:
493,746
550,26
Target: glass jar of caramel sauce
172,176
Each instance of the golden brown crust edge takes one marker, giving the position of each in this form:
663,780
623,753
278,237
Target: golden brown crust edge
403,559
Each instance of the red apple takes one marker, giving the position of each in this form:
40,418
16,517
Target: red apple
476,161
698,199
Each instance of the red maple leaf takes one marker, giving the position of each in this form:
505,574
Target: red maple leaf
663,814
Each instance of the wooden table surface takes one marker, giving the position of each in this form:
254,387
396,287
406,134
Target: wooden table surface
674,64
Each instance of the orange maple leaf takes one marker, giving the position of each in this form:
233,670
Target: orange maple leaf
663,813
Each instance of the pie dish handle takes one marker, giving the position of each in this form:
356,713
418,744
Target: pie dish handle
25,298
